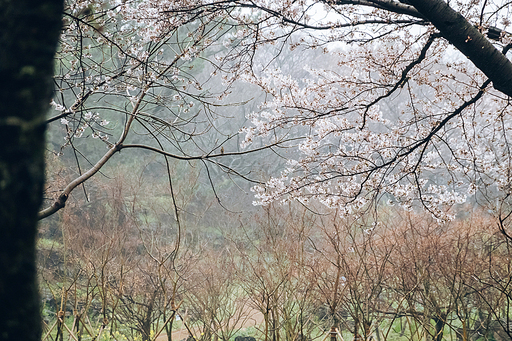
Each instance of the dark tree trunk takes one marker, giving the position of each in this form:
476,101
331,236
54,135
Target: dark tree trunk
168,327
148,317
357,337
440,321
29,33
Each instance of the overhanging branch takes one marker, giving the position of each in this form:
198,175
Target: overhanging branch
470,41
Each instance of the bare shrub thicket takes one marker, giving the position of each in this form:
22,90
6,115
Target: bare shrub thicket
275,273
115,271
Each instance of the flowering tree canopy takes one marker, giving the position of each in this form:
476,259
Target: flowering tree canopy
410,102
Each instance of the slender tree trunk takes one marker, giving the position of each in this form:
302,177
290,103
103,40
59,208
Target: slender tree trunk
265,315
367,329
77,327
146,323
335,322
357,337
464,330
29,31
440,322
60,329
333,333
168,329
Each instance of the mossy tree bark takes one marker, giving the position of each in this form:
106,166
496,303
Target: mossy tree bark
29,31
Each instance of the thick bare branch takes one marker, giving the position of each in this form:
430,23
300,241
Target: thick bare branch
470,41
389,5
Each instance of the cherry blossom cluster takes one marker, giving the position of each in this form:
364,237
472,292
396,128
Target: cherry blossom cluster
370,134
385,111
